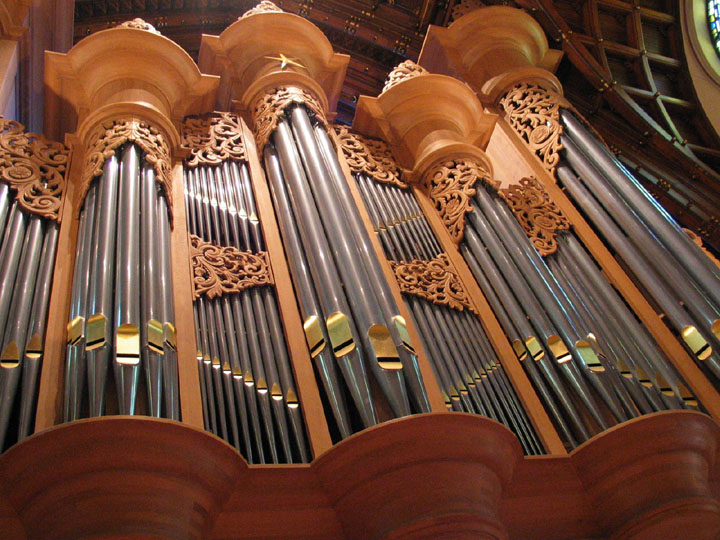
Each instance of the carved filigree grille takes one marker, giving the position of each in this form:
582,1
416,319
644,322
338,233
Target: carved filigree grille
263,7
221,270
405,70
371,157
213,138
268,109
434,280
451,185
534,113
34,167
111,134
539,216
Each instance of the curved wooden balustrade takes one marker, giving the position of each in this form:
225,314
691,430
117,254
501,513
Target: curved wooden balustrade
120,477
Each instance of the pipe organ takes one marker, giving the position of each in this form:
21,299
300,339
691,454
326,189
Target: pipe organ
459,304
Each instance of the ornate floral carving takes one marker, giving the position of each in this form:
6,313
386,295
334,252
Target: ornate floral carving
212,138
269,108
535,114
224,270
263,7
139,24
464,7
434,280
450,186
34,167
111,134
371,157
537,213
404,70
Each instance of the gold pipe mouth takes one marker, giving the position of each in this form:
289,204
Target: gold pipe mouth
292,400
534,347
249,381
262,386
341,338
155,336
95,331
10,357
558,349
276,392
588,355
34,347
314,335
697,343
75,329
384,348
519,349
127,344
401,326
237,373
226,367
170,335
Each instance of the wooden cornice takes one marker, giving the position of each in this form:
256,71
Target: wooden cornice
439,475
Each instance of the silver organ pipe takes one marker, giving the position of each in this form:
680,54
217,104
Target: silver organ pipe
248,389
470,375
121,306
28,244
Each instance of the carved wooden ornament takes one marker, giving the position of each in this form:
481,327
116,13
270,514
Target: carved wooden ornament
371,157
450,186
539,216
139,24
405,70
268,109
34,167
434,280
263,7
534,113
111,134
213,138
221,270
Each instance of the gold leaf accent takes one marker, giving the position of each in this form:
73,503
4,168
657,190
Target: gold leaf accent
450,186
221,270
434,280
213,138
111,134
269,108
697,240
405,70
371,157
263,7
139,24
539,216
34,168
534,113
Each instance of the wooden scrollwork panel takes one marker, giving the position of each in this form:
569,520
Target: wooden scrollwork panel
451,185
434,280
534,113
370,157
403,71
268,109
111,134
539,216
221,270
263,7
213,138
34,168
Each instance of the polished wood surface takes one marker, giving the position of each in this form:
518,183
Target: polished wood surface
438,475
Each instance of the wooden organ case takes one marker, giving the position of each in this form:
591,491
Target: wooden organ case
225,316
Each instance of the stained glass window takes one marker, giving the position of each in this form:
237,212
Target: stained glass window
714,22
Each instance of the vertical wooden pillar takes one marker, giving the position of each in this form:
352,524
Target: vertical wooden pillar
188,377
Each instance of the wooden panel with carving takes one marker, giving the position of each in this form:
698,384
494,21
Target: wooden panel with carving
539,216
451,185
371,157
34,168
224,270
434,280
111,134
212,138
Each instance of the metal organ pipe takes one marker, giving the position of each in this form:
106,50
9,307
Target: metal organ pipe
121,306
249,396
